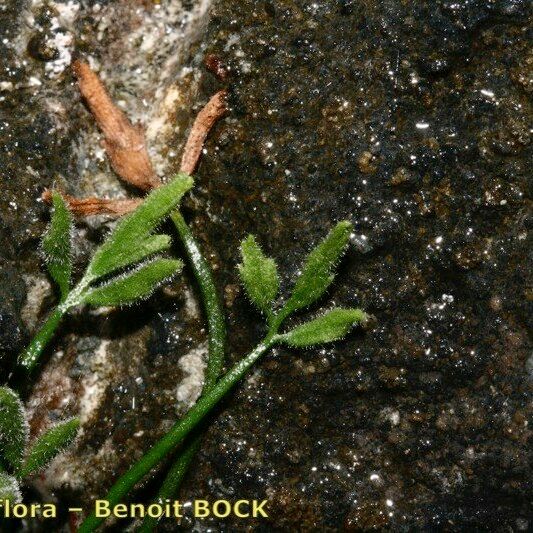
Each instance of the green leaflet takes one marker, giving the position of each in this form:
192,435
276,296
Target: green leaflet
141,250
9,488
13,428
48,445
331,326
259,274
317,273
13,442
56,245
138,283
124,245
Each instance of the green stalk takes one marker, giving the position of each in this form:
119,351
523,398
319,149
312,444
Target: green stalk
216,334
29,357
213,310
179,431
172,481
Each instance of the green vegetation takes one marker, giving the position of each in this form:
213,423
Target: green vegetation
129,253
317,274
127,267
18,458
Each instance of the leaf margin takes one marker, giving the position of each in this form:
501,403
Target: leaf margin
13,437
137,227
318,270
39,455
97,296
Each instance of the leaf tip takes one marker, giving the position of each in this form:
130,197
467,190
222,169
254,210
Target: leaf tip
345,225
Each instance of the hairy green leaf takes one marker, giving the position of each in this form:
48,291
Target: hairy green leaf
331,326
134,285
141,250
124,245
259,274
13,428
9,488
49,445
317,273
56,245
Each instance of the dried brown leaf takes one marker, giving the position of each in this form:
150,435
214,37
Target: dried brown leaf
205,120
125,145
83,207
124,142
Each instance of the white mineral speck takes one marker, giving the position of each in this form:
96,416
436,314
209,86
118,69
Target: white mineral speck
193,365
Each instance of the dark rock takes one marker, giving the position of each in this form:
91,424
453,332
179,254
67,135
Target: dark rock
39,48
403,118
12,298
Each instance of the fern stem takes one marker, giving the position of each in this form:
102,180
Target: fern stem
172,481
217,335
213,309
29,357
179,431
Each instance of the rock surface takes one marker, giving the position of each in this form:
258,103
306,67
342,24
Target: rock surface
410,119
